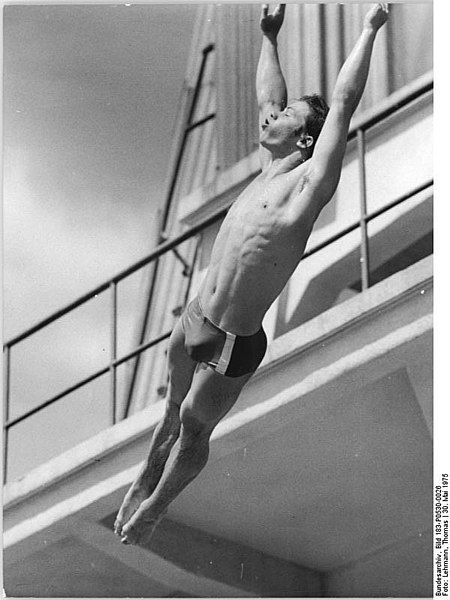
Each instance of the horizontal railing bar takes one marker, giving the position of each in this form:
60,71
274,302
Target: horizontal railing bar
58,314
156,253
66,392
334,238
367,218
87,380
394,203
170,244
142,348
392,104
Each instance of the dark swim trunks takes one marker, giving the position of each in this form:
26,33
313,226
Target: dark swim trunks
229,354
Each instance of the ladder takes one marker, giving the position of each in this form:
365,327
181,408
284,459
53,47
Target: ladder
187,126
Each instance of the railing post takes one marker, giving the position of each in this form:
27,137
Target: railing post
113,351
364,248
6,382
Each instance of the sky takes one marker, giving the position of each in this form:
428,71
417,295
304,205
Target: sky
90,97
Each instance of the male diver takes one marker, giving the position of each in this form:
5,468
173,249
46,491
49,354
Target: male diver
219,341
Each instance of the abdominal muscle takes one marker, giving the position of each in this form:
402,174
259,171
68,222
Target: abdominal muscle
257,249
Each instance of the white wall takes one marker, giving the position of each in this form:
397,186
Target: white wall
404,570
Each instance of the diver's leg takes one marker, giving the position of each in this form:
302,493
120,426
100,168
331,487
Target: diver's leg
181,371
210,397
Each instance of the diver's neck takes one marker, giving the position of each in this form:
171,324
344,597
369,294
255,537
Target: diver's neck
287,161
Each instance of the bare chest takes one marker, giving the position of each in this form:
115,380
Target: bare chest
270,205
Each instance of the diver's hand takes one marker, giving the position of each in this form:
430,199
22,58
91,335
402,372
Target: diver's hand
271,23
376,17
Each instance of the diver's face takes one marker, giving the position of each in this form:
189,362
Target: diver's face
284,128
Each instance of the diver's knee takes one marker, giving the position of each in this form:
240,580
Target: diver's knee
194,422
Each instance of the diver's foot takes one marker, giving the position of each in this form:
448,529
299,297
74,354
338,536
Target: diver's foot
141,528
132,501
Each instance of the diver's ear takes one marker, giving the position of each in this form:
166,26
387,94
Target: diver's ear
306,141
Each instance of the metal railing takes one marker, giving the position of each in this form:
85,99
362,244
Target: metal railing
395,103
